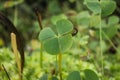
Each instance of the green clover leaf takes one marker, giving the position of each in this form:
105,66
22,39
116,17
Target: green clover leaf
90,75
107,7
75,75
93,5
103,7
59,42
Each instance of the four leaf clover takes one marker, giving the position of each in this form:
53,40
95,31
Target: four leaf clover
59,41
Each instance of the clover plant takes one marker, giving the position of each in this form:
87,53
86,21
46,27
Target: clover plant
58,41
103,7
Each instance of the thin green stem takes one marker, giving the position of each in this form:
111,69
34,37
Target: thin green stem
101,52
60,65
41,56
56,64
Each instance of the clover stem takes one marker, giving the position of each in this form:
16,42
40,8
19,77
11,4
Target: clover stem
60,65
41,56
56,62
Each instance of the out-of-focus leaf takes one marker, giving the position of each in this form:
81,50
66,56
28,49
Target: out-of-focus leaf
93,5
44,77
54,19
109,32
93,45
95,21
83,40
104,24
113,20
75,75
12,3
83,18
107,7
53,7
90,75
54,78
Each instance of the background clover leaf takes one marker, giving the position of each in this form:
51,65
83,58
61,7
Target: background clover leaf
75,75
90,75
107,7
60,42
103,7
94,6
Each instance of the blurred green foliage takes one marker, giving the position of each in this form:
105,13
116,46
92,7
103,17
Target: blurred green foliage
87,16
